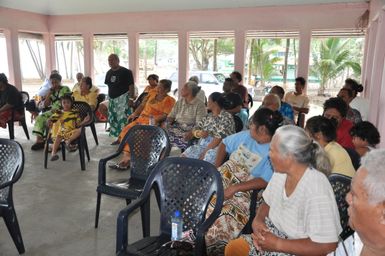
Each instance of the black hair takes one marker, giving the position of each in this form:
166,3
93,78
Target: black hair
268,118
354,86
337,103
154,77
166,84
88,81
301,81
366,131
3,78
327,127
232,100
218,98
349,91
67,96
279,89
237,75
55,76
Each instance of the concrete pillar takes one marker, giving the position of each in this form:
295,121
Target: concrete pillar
13,55
304,53
369,58
88,46
50,53
133,54
183,61
239,54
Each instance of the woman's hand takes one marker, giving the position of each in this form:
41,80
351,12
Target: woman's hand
230,192
204,134
259,229
266,241
188,136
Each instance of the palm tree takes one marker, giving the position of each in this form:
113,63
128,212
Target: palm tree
331,60
263,64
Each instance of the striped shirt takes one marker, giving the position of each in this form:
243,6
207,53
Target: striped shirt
309,212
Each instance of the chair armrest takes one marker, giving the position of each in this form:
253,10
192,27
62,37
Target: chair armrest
122,223
102,167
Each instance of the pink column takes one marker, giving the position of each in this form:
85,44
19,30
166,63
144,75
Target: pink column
13,54
304,53
88,42
377,72
239,54
133,54
183,47
365,60
50,54
369,58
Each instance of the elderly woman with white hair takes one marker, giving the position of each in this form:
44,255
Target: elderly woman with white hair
299,215
186,113
366,201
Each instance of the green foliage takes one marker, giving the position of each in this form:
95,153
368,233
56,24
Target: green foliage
331,58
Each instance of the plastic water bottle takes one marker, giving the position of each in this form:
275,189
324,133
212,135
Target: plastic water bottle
176,226
151,120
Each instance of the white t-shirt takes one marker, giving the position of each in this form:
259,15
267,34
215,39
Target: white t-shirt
362,105
309,212
299,101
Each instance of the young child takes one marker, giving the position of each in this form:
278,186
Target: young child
65,126
365,137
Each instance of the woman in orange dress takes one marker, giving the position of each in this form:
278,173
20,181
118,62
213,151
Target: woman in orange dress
153,111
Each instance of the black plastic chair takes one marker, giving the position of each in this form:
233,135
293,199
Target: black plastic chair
21,119
148,144
341,186
11,168
247,229
84,110
186,185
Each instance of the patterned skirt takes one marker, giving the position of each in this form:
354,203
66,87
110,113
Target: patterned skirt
176,133
118,110
235,212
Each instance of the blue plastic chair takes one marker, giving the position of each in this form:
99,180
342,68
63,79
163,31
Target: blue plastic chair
11,168
184,184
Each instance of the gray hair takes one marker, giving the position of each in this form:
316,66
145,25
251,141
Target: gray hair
294,141
272,98
194,79
374,162
193,87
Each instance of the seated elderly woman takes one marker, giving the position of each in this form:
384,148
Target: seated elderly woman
273,102
299,215
365,137
87,92
210,131
186,113
155,109
10,99
323,131
51,101
336,108
248,168
366,201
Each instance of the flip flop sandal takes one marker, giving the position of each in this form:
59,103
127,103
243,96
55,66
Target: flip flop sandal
118,167
54,157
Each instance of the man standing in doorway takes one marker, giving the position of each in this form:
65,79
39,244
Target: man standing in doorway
121,93
298,101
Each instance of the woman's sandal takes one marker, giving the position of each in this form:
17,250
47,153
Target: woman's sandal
71,147
54,157
118,166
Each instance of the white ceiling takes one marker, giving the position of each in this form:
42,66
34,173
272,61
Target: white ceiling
65,7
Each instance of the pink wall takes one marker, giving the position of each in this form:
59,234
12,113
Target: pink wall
302,18
375,67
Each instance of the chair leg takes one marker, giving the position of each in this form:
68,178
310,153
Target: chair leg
46,154
86,149
93,129
128,201
81,155
11,130
13,228
145,215
24,124
98,201
63,150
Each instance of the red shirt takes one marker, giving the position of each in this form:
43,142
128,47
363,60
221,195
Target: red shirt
343,134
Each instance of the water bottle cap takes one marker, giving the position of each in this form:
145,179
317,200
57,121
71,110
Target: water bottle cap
177,213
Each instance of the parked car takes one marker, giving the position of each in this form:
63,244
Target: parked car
208,80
